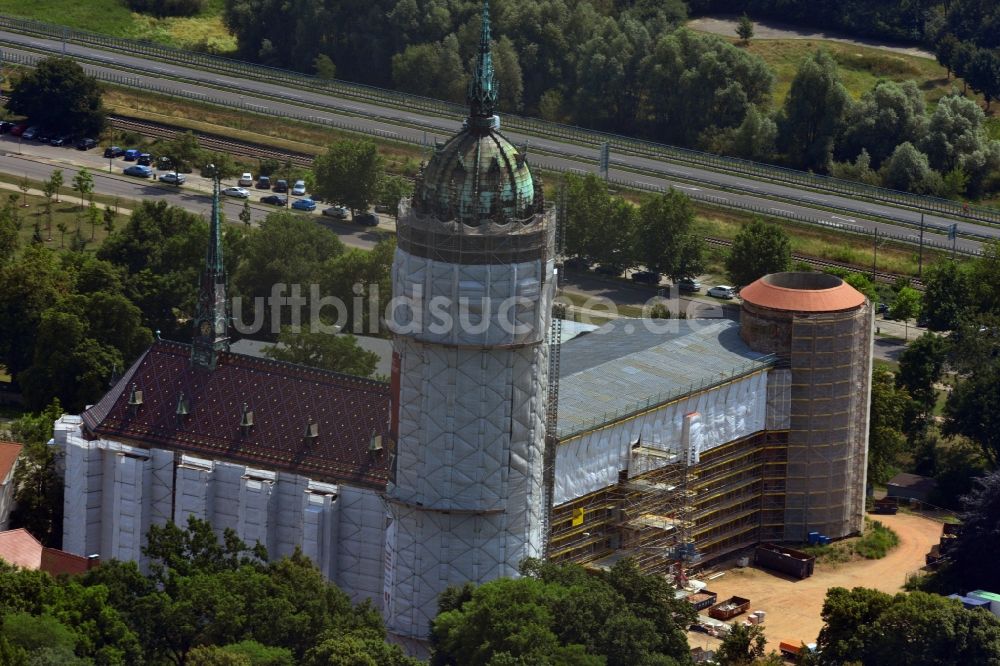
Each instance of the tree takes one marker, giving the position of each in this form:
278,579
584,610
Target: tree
83,183
814,112
392,190
29,285
183,153
109,219
957,138
57,182
980,536
9,232
433,69
744,28
973,408
94,218
889,407
38,493
920,367
886,116
758,249
755,138
349,173
329,351
870,627
59,94
984,74
944,51
24,185
906,306
245,214
742,646
665,242
324,67
945,295
908,169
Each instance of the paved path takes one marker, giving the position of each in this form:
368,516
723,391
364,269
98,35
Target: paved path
770,29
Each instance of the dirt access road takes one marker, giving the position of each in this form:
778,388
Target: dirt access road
793,606
768,29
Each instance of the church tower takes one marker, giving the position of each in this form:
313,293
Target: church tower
472,284
211,321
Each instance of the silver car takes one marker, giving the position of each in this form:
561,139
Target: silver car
722,291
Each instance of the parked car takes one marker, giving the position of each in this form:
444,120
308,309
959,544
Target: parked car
576,264
338,212
86,144
722,291
29,133
43,136
246,180
114,151
19,129
173,178
138,170
274,200
131,155
145,159
281,186
366,220
646,277
164,163
299,188
883,309
610,269
263,183
304,204
59,140
688,286
237,192
6,126
383,208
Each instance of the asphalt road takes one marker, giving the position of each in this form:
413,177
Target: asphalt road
418,128
115,184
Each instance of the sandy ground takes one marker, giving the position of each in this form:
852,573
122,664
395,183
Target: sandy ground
768,29
793,606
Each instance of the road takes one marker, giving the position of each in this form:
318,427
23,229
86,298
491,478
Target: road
414,127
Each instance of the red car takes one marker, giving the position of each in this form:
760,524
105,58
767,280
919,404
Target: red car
18,130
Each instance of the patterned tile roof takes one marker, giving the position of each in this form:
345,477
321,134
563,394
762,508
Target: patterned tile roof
20,548
284,398
9,451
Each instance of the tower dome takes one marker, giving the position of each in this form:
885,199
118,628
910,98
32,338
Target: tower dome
478,176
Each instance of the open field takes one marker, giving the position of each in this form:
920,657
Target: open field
793,606
204,31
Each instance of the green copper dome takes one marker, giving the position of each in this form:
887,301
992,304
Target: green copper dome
478,176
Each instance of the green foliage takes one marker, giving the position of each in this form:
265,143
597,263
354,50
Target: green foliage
956,138
167,7
889,408
908,170
906,305
814,113
327,350
914,629
57,93
972,561
920,367
183,152
436,68
597,225
559,614
41,634
945,293
876,542
862,283
758,249
972,408
886,116
744,28
392,190
742,646
665,239
38,493
349,173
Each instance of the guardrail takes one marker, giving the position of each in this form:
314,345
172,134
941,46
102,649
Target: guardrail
118,79
534,126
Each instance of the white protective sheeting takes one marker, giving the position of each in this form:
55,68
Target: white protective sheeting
779,399
114,492
593,460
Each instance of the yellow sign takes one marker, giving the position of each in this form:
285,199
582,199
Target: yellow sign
577,517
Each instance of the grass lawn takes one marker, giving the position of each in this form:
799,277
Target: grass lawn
204,31
67,212
860,67
874,544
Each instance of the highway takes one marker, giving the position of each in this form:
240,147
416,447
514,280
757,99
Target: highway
781,200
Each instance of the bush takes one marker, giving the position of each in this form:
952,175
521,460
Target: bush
877,541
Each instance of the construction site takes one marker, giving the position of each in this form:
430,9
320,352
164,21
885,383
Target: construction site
718,436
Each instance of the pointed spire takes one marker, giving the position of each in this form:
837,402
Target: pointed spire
211,334
482,96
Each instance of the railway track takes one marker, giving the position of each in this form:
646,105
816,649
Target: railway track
259,151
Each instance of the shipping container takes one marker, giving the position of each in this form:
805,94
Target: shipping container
786,560
702,600
729,608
